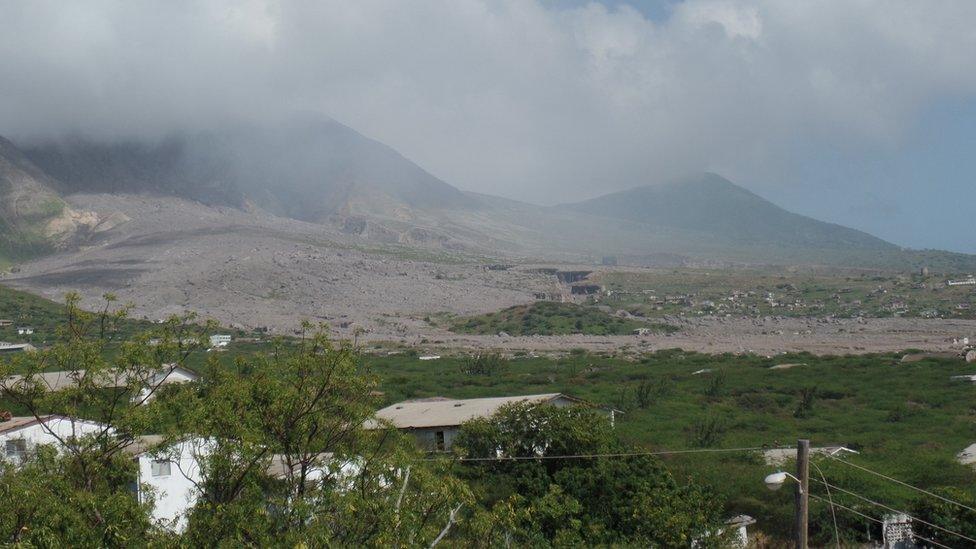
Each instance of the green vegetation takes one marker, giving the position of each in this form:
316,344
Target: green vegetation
264,428
565,502
811,294
551,318
908,420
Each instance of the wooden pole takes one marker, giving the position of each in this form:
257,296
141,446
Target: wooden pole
802,492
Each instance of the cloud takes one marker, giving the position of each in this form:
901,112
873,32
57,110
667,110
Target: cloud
514,97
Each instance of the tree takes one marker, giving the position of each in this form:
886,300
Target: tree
79,493
568,483
946,516
286,457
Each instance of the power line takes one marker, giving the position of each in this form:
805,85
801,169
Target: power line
905,484
893,510
614,455
881,522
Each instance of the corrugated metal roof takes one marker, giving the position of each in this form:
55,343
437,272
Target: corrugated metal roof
143,444
279,467
55,381
441,412
19,422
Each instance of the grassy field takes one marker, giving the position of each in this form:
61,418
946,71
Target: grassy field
751,293
907,420
550,318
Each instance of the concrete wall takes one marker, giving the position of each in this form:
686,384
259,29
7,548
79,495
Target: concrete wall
427,438
38,434
174,494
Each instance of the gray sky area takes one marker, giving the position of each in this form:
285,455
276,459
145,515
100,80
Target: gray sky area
855,111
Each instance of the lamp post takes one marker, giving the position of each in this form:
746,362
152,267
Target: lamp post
776,480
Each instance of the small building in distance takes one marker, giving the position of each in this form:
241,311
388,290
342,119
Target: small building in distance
642,331
435,422
6,322
585,289
780,456
569,277
6,348
25,330
220,340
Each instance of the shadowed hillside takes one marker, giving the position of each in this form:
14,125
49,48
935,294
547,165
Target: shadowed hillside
714,206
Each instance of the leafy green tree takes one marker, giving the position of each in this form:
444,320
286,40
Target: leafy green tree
81,493
947,516
286,457
569,481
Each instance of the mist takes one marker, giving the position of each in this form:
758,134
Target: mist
523,99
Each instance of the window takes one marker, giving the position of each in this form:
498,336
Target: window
161,468
16,449
439,441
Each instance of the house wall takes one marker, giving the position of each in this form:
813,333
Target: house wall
427,438
174,494
38,434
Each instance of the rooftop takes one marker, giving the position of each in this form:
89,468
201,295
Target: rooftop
440,412
55,381
19,422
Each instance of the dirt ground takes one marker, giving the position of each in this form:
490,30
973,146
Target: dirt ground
250,270
733,335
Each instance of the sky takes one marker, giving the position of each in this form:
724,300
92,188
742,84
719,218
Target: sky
859,112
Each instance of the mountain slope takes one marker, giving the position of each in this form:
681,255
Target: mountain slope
717,208
33,217
306,170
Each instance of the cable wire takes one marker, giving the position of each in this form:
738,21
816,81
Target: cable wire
830,498
905,484
893,510
616,455
881,522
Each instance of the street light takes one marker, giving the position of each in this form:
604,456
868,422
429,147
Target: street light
776,480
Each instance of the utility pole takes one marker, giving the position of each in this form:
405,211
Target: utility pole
802,492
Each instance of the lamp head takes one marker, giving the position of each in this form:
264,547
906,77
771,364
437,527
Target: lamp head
775,481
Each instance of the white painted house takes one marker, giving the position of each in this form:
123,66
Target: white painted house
25,330
169,475
435,422
20,436
55,381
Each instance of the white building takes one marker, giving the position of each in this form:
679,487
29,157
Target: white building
220,340
435,422
21,435
781,456
25,330
55,381
169,475
16,347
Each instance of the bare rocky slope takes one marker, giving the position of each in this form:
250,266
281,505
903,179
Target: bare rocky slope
255,269
265,228
320,171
